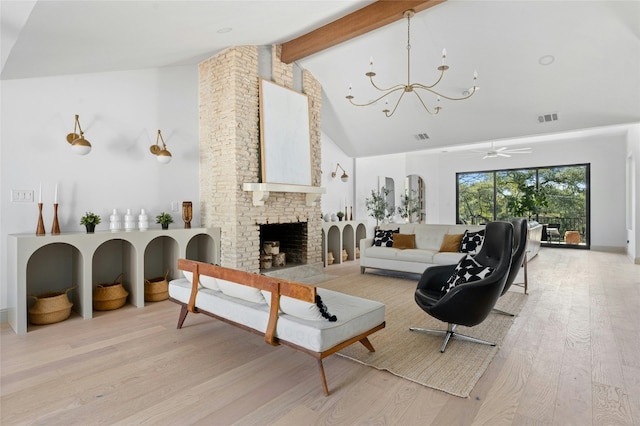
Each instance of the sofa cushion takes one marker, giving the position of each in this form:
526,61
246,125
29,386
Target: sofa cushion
467,270
205,280
300,309
472,242
384,237
416,255
451,243
355,316
404,241
382,252
447,258
244,292
429,237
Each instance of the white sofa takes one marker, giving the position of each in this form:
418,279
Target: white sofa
428,239
285,312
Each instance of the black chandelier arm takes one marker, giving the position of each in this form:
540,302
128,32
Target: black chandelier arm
350,98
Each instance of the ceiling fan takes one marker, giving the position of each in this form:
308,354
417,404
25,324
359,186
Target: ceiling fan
502,151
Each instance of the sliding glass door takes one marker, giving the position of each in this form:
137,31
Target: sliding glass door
563,211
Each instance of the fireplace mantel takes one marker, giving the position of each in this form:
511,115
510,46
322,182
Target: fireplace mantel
261,191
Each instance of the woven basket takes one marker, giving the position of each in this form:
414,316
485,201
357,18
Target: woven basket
50,308
156,289
110,296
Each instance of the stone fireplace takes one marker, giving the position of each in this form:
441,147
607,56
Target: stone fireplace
230,159
291,239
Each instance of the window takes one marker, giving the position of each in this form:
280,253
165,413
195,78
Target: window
564,190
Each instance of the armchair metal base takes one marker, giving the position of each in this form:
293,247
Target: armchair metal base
449,333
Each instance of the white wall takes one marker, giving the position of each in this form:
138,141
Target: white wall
605,151
339,194
633,191
120,113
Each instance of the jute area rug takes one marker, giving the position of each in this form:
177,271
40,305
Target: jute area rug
416,356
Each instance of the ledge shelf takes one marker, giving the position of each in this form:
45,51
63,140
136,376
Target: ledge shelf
261,191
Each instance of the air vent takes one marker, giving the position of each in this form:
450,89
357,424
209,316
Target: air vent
547,117
421,136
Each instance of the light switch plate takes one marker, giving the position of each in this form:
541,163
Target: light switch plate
22,195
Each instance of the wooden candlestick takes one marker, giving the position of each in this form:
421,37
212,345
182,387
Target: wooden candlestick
40,229
55,228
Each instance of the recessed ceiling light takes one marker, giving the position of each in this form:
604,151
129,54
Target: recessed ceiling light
225,30
546,60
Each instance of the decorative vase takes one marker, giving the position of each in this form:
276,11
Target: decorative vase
344,255
143,220
115,221
129,221
91,227
330,258
164,225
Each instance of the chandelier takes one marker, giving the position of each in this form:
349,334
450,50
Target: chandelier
413,87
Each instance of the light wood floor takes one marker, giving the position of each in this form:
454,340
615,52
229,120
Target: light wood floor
572,357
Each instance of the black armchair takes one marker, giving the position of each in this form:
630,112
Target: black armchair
470,303
518,258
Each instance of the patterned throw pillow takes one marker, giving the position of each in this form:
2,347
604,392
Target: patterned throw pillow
467,270
384,237
472,242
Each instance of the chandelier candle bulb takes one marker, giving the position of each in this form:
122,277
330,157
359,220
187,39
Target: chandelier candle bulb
409,87
40,193
55,195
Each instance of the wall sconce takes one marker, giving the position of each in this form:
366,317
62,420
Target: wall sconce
344,177
162,154
79,145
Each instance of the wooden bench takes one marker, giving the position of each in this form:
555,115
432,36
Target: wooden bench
357,318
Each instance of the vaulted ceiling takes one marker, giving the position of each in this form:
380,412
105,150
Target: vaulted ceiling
577,59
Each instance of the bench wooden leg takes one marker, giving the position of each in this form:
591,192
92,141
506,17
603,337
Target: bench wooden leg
183,315
325,388
367,344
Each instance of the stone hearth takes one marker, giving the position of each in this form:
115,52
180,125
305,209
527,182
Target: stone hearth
230,156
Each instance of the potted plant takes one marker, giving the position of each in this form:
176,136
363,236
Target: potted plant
340,216
378,206
410,205
164,219
527,201
90,220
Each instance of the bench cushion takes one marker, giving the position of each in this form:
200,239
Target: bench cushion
355,316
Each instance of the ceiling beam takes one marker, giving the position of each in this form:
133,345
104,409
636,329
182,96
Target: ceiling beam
362,21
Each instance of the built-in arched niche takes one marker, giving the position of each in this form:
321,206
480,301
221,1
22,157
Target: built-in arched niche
54,268
115,261
202,248
412,201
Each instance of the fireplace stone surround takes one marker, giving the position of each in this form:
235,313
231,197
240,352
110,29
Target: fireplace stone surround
230,157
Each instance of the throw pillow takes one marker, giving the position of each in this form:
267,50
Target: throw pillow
471,242
451,243
384,237
404,241
467,270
